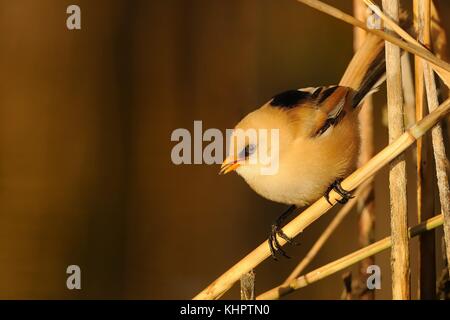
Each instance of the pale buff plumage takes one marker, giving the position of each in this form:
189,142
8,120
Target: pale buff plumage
311,159
307,166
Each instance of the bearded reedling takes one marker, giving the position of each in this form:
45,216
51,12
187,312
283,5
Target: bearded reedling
318,141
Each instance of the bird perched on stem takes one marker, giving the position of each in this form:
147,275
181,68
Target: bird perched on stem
318,142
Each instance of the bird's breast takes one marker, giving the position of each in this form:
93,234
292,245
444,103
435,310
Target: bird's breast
307,170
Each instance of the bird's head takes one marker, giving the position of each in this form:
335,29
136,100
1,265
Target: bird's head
257,142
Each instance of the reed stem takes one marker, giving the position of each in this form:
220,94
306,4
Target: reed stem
440,66
321,206
425,181
397,175
346,261
366,203
340,216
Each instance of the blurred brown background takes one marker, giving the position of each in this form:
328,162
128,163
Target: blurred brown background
86,117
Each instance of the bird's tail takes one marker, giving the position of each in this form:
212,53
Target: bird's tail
367,69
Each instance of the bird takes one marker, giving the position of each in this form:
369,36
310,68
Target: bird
318,142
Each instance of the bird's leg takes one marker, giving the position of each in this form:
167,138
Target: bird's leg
274,244
337,187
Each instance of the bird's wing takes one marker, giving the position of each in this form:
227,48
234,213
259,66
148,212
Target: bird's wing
316,108
331,104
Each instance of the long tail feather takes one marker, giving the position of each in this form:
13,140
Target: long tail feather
366,69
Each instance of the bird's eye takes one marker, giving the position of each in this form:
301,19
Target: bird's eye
248,150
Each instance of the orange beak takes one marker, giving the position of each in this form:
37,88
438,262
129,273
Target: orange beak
229,165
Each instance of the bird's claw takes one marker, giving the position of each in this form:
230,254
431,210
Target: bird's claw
274,244
337,187
276,231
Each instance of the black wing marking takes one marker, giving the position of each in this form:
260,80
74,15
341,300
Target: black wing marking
335,115
371,80
326,93
290,98
316,97
316,92
330,122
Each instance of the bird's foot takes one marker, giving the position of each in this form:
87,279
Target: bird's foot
274,244
337,187
275,232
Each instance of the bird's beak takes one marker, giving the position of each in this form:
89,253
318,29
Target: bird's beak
228,165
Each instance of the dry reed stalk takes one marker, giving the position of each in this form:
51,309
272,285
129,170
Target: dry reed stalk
425,183
443,291
346,261
440,66
443,73
409,92
439,33
360,12
366,203
321,206
224,282
440,156
248,286
439,37
397,175
340,216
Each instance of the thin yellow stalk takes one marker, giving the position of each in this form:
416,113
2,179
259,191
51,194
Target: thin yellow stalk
439,155
440,46
366,203
360,12
346,261
408,90
444,74
321,206
441,67
425,185
248,286
443,292
340,216
397,174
